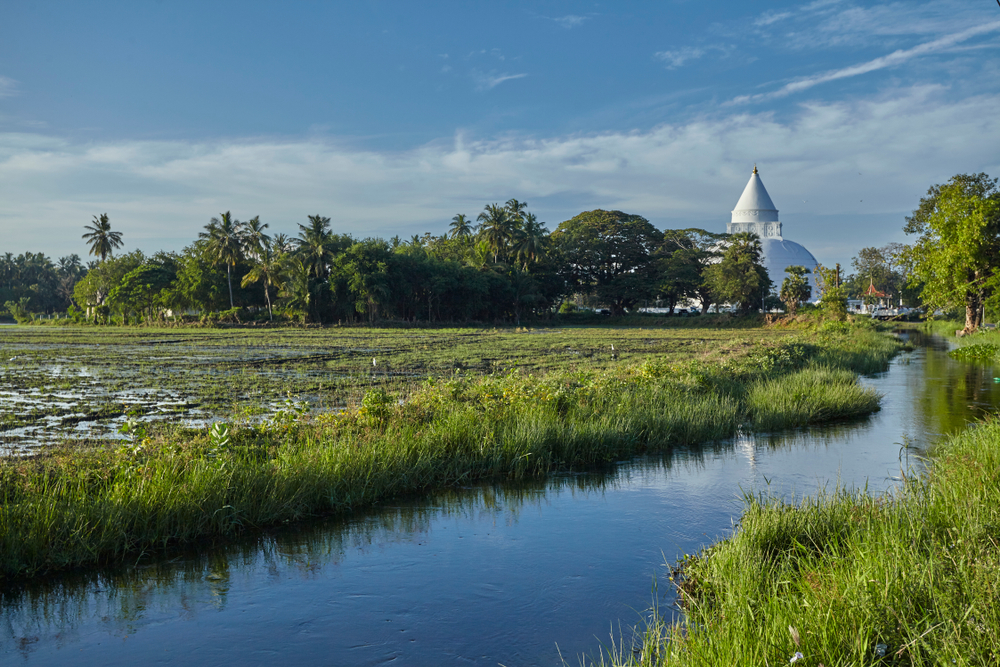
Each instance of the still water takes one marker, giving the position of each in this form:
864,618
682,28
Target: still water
508,575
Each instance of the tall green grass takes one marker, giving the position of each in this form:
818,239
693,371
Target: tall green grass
848,579
81,507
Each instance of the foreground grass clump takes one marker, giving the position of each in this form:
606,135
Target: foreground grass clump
848,579
74,508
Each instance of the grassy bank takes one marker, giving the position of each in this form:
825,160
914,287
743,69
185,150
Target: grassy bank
77,508
848,579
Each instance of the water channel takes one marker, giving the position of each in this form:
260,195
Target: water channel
508,575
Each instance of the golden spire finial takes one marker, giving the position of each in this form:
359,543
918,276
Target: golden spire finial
755,167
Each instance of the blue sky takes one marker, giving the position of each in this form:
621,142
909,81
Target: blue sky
390,117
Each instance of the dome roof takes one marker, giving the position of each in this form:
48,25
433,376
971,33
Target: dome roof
780,253
755,204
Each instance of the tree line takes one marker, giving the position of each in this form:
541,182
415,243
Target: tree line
503,266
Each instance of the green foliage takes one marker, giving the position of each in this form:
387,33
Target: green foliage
795,288
683,259
958,251
19,310
102,240
832,292
981,352
609,254
740,278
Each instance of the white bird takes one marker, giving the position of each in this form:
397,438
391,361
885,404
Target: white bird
374,363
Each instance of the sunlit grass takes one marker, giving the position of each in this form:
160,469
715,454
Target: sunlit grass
76,507
850,579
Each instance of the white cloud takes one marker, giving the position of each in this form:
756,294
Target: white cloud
160,194
895,58
570,20
769,17
8,87
490,80
675,59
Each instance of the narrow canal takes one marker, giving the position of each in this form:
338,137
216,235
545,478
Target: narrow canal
509,575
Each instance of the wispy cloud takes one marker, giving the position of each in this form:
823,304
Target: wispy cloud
769,17
891,60
161,194
570,20
678,57
8,87
490,80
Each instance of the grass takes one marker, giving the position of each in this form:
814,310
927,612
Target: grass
81,382
848,579
80,507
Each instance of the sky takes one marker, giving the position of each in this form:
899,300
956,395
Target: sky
391,117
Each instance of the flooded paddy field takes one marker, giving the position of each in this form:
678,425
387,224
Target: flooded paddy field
83,383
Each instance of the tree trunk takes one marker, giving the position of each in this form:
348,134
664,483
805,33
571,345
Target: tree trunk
267,297
229,278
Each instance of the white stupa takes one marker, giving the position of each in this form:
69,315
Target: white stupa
755,212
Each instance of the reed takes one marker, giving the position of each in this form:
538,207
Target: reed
73,508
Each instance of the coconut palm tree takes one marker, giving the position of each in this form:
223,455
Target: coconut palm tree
315,244
297,288
530,245
254,238
267,269
281,244
495,229
102,240
224,242
461,227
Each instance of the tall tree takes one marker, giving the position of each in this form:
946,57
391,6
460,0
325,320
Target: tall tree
495,229
315,245
254,238
224,243
267,266
461,227
795,288
530,245
740,278
957,255
102,240
609,254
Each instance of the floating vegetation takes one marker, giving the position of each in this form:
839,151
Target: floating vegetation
981,352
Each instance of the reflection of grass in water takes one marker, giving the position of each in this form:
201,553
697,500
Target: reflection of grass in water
85,506
123,597
846,578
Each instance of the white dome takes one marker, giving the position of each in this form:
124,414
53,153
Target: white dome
755,204
779,254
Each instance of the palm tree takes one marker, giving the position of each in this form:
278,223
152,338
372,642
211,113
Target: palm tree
281,244
461,227
314,242
267,269
297,289
517,210
224,242
102,240
254,238
531,241
495,229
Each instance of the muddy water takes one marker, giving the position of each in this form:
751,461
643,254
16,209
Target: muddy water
480,576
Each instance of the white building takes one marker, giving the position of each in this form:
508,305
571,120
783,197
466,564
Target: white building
755,212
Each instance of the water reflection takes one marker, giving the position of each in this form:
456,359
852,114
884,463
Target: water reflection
482,575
